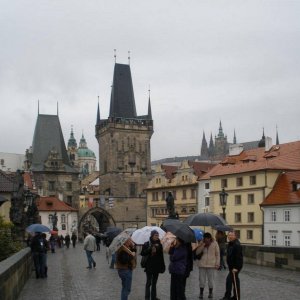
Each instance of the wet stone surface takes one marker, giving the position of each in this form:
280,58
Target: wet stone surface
68,279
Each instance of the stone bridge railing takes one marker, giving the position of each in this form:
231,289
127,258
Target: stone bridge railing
14,272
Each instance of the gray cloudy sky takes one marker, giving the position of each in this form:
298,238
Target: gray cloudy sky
237,61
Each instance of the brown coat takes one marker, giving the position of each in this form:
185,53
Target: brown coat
124,260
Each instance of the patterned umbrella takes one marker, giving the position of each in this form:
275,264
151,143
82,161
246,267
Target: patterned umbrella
118,242
167,241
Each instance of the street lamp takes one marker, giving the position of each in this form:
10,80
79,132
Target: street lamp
223,201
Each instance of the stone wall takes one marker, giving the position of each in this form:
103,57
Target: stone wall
14,272
276,257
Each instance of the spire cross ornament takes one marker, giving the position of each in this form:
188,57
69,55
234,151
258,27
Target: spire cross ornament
129,58
115,55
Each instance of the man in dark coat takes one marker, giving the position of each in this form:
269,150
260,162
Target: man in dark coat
235,264
155,263
39,250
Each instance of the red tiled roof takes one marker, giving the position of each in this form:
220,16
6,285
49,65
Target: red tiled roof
282,193
169,171
201,168
279,157
53,204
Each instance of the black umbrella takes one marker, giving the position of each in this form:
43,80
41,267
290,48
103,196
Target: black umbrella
179,229
222,228
204,219
112,232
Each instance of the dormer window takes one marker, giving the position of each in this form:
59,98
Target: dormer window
295,186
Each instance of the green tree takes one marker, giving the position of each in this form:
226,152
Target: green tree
8,245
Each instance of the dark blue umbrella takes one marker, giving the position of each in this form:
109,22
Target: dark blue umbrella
38,228
204,219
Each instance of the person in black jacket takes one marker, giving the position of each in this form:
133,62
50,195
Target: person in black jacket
235,264
155,264
39,251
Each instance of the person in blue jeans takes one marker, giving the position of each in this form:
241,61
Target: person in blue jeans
125,263
89,245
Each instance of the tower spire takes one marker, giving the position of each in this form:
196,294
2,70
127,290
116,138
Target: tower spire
277,138
98,113
38,106
204,149
149,106
57,108
129,58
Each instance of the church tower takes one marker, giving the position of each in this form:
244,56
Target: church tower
124,151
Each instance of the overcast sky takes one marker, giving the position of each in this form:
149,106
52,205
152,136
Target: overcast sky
205,61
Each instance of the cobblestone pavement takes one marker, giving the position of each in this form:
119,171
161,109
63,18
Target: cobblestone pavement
68,278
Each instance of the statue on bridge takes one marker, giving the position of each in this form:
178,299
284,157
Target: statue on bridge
171,206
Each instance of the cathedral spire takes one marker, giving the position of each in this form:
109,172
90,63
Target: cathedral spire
211,146
204,148
221,134
262,142
234,137
98,113
72,141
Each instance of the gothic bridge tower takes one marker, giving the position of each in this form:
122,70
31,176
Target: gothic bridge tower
124,153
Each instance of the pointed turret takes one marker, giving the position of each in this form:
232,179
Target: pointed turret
122,103
72,141
98,113
149,108
204,148
234,137
82,143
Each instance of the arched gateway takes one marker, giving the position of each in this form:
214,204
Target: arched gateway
97,219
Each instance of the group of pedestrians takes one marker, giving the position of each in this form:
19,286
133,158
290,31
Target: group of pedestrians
207,254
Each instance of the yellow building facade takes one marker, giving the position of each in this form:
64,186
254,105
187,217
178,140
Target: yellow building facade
182,181
248,178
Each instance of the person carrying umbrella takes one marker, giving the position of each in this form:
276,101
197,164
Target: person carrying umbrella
235,264
39,250
208,255
178,268
125,263
155,264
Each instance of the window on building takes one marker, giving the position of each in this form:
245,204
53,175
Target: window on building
207,185
237,199
63,226
183,194
273,216
238,234
164,196
252,180
287,215
63,218
250,217
273,239
250,198
152,213
154,196
182,178
69,186
193,194
183,210
192,210
249,234
51,185
239,181
287,239
206,201
132,189
223,183
238,217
